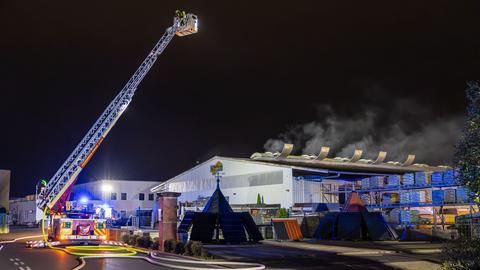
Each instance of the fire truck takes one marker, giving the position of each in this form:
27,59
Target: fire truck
84,226
76,229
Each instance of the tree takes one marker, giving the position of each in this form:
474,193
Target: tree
467,150
282,213
259,199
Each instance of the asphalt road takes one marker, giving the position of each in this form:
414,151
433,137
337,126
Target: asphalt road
337,255
15,256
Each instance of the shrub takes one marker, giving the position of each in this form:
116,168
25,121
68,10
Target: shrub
197,248
126,238
461,254
179,247
188,248
282,213
168,245
155,244
204,253
143,241
133,239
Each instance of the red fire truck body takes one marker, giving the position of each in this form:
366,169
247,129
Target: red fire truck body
73,229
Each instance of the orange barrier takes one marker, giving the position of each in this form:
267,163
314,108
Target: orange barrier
288,225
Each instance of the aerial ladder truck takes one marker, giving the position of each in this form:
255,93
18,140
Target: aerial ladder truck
52,198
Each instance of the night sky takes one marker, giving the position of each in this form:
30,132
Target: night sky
257,72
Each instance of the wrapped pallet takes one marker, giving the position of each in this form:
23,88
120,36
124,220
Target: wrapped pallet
409,216
408,179
365,183
390,198
420,179
428,197
366,198
462,195
449,196
376,182
393,180
437,196
405,197
405,216
417,196
437,178
450,177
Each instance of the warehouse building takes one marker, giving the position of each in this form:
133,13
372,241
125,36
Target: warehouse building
281,178
407,193
242,180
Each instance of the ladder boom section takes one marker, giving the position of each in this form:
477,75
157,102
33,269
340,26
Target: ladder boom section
68,172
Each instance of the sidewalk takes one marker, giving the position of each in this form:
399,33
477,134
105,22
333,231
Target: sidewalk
362,247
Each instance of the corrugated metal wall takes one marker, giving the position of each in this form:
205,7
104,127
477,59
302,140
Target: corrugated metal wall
241,183
233,181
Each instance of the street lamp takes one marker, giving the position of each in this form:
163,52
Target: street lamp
106,187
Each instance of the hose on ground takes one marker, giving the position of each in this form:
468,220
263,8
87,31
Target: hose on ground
130,252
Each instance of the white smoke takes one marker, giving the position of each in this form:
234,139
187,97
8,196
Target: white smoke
406,129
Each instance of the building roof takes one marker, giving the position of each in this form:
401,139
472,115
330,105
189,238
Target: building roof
353,164
331,168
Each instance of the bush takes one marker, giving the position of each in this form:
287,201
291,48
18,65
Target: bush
188,248
179,247
197,248
168,245
462,254
143,241
282,213
155,244
133,239
126,238
204,253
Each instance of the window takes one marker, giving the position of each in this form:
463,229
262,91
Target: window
141,196
123,196
150,197
113,196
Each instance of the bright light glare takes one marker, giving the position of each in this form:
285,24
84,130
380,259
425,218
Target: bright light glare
106,188
84,200
108,212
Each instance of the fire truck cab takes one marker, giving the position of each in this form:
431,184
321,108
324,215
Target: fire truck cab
73,229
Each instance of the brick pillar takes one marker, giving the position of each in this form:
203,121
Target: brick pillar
167,217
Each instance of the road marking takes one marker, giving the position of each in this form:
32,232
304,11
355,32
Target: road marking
11,259
17,259
1,247
16,263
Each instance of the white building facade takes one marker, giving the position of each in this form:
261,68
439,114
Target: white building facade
243,179
23,211
123,196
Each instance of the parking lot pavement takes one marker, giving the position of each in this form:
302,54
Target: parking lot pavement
332,255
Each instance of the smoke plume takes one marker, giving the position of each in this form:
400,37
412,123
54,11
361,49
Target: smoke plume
402,129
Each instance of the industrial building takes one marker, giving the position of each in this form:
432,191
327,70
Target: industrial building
408,194
243,180
23,211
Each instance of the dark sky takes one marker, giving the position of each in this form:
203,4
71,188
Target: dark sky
254,71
